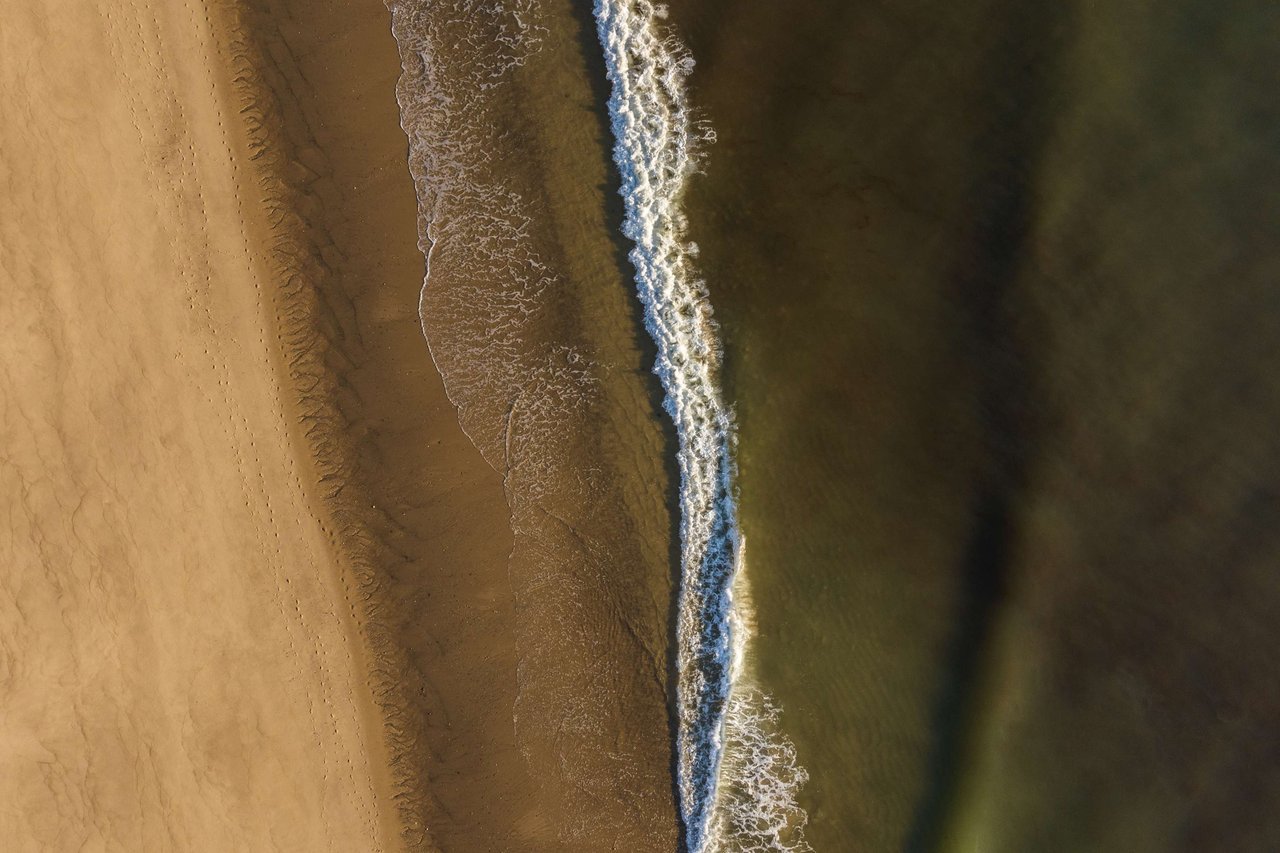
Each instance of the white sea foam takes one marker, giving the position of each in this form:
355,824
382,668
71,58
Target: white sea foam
482,307
756,810
737,776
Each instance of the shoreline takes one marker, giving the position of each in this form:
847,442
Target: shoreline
532,318
251,509
421,517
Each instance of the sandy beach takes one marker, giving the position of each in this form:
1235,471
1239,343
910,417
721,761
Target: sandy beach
182,664
199,651
258,592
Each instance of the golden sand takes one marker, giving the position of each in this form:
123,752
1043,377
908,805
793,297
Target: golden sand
198,650
180,665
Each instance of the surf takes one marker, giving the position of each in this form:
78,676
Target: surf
747,802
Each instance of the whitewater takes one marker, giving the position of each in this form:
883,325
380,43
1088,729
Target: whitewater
737,775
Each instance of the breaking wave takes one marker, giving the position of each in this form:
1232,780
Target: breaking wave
737,775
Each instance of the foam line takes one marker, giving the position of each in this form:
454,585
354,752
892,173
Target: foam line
654,152
737,775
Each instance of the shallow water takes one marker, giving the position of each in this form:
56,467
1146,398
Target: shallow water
531,321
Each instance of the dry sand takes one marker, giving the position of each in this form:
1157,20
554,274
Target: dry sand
179,668
196,646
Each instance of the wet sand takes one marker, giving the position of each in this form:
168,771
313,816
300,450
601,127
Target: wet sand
419,513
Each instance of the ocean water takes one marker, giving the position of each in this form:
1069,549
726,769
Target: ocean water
536,331
825,220
819,367
736,774
981,274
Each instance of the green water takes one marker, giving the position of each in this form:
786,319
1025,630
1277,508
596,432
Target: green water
996,286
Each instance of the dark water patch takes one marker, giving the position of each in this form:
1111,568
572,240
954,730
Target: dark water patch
1154,667
985,579
996,333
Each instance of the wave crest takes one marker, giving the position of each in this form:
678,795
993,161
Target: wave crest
657,141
